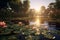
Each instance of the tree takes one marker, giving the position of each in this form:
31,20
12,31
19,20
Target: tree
57,4
54,13
26,5
3,3
13,8
24,8
42,9
51,5
20,8
54,10
15,5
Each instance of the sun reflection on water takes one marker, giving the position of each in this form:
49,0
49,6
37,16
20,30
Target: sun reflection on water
37,21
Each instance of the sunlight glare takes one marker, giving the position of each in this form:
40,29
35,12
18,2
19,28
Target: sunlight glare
36,8
37,22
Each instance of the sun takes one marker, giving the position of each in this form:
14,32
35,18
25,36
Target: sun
37,8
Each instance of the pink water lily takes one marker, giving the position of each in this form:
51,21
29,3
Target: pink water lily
3,24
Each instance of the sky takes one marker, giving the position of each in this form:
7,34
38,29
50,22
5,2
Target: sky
36,4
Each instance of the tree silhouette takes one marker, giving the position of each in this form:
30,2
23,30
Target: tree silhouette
13,8
57,4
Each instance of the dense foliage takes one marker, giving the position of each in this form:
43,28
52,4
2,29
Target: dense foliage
16,31
13,8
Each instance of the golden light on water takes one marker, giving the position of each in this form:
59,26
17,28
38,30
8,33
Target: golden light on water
37,21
